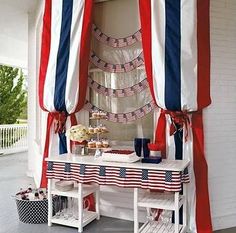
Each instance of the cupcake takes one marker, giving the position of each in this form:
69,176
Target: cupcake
98,144
91,129
103,128
95,114
102,114
91,144
97,129
105,143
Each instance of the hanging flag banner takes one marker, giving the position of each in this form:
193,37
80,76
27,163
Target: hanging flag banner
63,74
176,47
116,42
116,68
117,93
123,117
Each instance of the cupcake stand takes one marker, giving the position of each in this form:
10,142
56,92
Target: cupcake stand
97,132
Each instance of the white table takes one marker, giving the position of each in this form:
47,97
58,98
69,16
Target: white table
169,175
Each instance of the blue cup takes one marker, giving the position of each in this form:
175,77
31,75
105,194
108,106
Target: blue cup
138,146
146,151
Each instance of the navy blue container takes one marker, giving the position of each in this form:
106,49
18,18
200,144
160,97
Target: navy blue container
151,160
138,146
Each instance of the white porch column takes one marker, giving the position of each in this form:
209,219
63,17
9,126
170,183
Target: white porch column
34,113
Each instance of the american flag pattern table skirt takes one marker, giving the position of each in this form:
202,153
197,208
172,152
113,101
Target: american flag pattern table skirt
118,176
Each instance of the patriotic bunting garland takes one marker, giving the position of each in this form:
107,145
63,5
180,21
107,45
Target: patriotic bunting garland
123,117
116,68
125,92
63,71
176,47
116,42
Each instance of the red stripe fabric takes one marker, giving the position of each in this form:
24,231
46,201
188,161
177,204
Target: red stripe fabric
203,43
84,52
43,183
45,49
203,215
145,18
160,136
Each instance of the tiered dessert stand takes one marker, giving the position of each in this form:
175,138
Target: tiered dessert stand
98,151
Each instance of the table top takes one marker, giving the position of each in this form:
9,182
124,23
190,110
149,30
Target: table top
165,165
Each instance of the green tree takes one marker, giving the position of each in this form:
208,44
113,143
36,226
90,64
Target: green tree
12,94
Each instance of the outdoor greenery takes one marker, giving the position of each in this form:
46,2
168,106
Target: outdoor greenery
13,99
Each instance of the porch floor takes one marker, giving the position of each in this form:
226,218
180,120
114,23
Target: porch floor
13,176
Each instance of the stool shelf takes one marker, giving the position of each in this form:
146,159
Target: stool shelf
87,189
160,227
88,217
169,201
159,200
84,217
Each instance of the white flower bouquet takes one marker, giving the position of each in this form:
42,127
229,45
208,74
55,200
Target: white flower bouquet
78,133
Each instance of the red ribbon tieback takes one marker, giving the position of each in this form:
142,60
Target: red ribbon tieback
59,121
179,120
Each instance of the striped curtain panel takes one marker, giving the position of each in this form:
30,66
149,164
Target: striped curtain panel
63,67
175,38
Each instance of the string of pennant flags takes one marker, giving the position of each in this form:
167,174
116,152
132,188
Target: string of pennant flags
116,68
116,42
125,92
123,117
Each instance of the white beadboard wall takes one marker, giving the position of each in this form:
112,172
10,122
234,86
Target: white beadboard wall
220,117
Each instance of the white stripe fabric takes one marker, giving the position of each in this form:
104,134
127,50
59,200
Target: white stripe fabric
189,55
54,143
191,187
158,50
72,83
170,141
49,86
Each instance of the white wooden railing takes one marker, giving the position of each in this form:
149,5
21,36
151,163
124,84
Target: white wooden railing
13,138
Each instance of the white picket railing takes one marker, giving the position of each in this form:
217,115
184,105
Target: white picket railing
13,138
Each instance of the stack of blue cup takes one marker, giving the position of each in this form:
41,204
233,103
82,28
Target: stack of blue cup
141,145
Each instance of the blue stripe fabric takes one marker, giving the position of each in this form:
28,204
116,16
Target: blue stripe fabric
178,138
63,56
172,55
62,66
173,71
62,143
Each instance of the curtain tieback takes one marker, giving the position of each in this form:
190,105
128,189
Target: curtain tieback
179,120
59,121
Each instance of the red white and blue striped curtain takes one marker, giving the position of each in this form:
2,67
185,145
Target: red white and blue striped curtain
64,66
175,37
